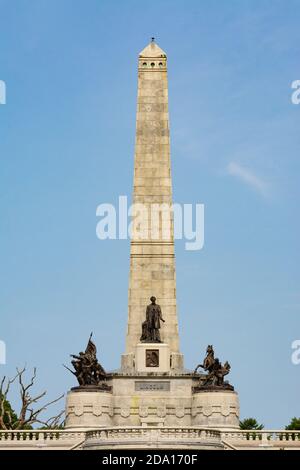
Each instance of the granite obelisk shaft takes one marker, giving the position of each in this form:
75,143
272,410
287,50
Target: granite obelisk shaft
152,262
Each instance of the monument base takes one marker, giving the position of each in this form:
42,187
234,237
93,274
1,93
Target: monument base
218,409
140,399
152,394
89,408
152,399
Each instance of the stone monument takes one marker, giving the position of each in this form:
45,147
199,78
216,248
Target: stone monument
152,387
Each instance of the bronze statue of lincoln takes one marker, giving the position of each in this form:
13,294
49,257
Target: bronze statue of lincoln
151,326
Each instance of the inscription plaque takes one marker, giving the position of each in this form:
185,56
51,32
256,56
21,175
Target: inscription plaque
152,386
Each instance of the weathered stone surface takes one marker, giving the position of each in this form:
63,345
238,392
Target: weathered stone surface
216,409
89,409
167,396
152,264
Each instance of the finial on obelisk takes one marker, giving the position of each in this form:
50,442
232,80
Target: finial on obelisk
152,39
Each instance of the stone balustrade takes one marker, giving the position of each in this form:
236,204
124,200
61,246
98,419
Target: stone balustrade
40,439
141,437
153,437
279,439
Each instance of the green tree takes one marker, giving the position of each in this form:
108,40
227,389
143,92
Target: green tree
8,416
250,423
294,425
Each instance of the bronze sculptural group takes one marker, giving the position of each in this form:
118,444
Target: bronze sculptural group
216,371
90,373
87,369
151,326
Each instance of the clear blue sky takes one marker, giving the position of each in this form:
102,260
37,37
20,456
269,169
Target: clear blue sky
67,144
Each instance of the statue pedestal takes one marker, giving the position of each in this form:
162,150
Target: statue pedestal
215,409
152,399
89,407
129,361
152,357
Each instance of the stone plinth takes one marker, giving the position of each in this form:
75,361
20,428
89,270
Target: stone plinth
177,362
152,399
216,409
128,362
152,357
88,409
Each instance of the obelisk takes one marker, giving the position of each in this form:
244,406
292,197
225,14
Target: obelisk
152,261
152,390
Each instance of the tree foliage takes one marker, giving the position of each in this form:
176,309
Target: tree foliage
250,423
7,412
294,425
